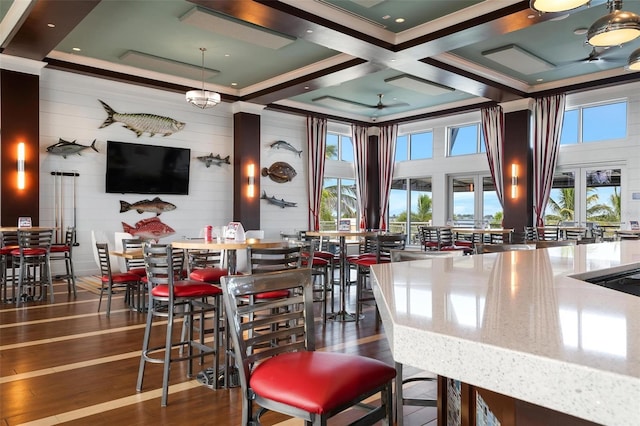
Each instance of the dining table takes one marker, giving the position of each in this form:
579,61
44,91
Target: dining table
342,315
481,232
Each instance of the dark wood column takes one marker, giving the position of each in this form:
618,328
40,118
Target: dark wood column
20,122
373,201
518,211
246,151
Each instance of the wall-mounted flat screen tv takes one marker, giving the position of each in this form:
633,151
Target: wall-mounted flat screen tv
147,169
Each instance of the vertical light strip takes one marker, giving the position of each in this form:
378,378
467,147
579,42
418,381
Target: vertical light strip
21,181
514,181
251,168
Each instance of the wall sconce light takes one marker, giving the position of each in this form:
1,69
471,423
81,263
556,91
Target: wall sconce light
21,182
251,172
514,181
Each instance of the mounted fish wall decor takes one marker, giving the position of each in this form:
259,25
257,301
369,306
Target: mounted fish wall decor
140,123
210,159
285,145
280,172
149,229
156,206
278,202
65,148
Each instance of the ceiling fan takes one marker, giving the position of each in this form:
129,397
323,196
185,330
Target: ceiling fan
598,56
380,105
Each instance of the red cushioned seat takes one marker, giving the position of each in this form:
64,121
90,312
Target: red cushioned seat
273,294
59,248
187,289
124,277
315,387
141,272
29,252
7,249
209,275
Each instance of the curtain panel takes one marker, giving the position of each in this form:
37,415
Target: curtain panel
548,114
361,153
493,128
386,161
316,146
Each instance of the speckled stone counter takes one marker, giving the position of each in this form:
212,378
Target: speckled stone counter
524,324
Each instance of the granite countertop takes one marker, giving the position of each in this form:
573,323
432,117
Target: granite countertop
524,324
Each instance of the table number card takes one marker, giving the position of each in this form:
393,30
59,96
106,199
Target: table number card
24,222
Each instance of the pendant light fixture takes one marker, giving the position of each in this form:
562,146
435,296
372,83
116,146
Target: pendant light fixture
634,61
203,98
618,27
556,5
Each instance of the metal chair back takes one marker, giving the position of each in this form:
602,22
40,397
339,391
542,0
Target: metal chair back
274,259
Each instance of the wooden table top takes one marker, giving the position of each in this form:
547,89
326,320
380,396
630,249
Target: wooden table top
200,244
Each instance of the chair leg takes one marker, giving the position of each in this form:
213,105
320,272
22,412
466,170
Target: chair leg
167,359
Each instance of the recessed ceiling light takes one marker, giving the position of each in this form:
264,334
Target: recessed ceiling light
309,31
234,84
386,17
399,20
540,79
51,25
306,87
76,49
226,55
580,31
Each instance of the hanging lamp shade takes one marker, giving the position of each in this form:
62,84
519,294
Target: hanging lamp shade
203,98
556,5
634,61
618,27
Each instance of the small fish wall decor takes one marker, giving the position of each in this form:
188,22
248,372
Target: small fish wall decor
285,145
149,229
278,202
156,206
140,123
280,172
210,159
65,148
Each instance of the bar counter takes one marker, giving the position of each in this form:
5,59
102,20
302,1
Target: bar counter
523,324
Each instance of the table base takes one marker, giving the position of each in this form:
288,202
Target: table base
343,316
208,376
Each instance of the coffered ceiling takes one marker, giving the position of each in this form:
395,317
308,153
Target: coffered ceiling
333,57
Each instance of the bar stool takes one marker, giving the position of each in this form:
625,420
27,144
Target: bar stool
63,252
172,298
9,243
34,267
111,280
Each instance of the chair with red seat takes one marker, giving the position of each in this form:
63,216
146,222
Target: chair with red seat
384,244
9,243
112,280
64,252
279,367
171,298
32,258
205,266
320,271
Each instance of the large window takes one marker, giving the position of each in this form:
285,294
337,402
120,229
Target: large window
593,198
414,146
410,206
464,140
339,147
594,123
338,202
474,202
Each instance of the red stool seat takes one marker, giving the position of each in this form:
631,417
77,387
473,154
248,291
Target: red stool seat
208,275
29,252
124,277
308,380
7,249
187,289
59,248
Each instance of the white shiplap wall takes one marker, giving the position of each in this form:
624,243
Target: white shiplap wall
69,109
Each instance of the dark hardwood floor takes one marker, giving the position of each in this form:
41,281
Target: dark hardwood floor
65,363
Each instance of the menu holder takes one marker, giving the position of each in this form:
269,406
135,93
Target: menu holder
634,225
235,232
24,222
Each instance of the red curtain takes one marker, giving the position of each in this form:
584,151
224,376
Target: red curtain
386,162
361,153
316,145
548,114
493,128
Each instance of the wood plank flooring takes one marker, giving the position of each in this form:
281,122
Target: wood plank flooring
65,363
